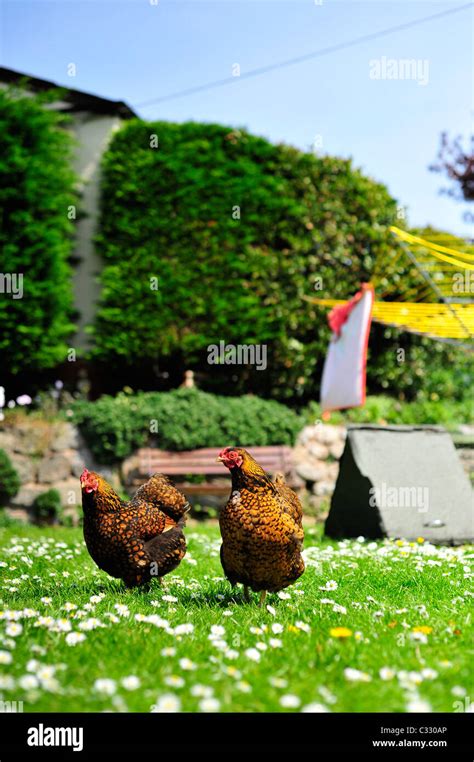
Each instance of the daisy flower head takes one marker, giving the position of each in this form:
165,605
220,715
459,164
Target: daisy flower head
290,701
167,703
105,686
130,682
73,638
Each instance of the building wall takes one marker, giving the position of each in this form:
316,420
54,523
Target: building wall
93,132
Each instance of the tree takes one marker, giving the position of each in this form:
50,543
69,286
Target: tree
36,196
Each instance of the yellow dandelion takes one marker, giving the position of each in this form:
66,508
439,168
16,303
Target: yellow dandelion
400,543
424,629
420,540
340,632
292,628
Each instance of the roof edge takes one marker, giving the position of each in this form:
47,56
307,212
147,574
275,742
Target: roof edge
78,99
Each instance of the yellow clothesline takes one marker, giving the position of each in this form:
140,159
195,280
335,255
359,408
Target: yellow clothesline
437,251
453,321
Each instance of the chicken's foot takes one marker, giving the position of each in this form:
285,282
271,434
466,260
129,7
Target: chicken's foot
263,595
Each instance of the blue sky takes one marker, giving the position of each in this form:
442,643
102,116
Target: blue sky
138,50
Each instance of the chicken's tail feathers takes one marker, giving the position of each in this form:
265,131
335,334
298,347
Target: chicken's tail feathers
171,523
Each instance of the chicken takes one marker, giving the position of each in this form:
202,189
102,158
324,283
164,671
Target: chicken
135,540
261,528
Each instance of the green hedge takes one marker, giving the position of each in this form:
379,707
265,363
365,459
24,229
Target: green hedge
185,418
36,191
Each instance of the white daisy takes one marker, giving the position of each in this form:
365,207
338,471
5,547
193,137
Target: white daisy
174,681
290,701
209,704
167,703
201,691
28,682
73,638
355,675
105,686
13,629
252,654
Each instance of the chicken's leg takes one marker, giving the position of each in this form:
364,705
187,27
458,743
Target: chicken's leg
246,594
263,595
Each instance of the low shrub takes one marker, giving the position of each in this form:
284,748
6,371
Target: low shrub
382,410
183,419
9,479
47,507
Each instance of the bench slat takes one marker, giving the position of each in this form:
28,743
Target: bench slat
203,461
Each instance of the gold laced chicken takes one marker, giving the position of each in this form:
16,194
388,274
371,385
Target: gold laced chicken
136,540
261,528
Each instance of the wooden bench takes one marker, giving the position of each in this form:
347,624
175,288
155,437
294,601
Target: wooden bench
203,462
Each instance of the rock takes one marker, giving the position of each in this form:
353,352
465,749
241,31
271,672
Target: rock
70,491
337,449
318,450
332,471
466,429
33,437
466,456
111,475
296,482
65,437
53,468
25,466
330,435
319,505
76,463
20,514
27,495
324,488
7,441
311,472
305,436
130,469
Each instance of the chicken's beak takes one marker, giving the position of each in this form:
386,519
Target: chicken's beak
219,460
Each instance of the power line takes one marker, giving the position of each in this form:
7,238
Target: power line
300,59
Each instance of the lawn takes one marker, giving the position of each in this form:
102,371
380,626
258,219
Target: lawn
369,627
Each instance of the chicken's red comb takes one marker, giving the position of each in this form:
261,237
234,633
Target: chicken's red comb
85,474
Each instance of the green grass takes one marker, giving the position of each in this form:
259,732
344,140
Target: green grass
375,583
